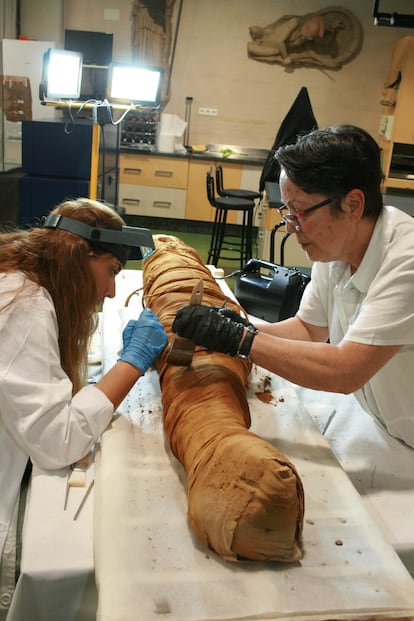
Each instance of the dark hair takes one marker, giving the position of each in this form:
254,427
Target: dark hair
333,161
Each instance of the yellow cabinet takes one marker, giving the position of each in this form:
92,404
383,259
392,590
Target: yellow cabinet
156,171
198,207
153,186
397,127
175,187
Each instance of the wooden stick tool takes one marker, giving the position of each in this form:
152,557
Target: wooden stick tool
182,350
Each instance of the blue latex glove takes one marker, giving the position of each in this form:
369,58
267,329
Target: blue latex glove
143,340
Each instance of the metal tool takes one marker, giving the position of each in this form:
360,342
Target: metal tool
84,499
182,350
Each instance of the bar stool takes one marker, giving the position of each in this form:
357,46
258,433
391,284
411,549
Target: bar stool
236,193
226,239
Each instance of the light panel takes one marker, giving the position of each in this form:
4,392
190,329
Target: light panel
61,75
135,84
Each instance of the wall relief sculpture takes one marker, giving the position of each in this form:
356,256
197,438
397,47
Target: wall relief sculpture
328,39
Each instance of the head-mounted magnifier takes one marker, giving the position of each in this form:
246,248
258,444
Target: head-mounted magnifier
117,242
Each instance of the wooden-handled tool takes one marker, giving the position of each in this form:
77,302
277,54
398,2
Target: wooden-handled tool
182,350
76,476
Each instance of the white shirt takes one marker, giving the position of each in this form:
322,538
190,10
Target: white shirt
38,416
374,306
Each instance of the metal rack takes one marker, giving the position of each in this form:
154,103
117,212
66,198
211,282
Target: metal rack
139,129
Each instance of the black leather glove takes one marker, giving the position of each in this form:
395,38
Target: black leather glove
234,315
209,327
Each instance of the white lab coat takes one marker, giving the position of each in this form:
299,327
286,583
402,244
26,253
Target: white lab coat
39,419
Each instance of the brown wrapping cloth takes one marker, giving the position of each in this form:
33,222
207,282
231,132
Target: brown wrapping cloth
245,499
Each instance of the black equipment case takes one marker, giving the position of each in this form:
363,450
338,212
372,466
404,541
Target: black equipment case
269,291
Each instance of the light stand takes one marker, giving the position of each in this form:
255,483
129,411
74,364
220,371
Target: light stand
130,86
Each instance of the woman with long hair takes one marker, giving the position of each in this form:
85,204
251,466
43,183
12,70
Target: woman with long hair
53,279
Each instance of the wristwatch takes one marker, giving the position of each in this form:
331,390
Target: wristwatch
249,335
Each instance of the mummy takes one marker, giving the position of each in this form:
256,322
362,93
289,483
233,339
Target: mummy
245,498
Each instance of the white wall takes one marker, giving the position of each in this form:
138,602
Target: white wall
252,98
42,19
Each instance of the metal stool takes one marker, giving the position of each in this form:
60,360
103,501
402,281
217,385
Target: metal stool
224,238
235,193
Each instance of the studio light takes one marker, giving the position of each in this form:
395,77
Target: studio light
61,75
136,85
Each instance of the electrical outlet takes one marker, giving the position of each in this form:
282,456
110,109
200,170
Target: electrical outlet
208,111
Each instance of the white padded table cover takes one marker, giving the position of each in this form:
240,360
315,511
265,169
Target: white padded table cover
57,581
380,467
150,566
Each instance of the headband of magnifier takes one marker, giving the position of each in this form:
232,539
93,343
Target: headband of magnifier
117,242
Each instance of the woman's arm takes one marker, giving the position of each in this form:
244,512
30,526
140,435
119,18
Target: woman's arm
295,328
343,368
119,380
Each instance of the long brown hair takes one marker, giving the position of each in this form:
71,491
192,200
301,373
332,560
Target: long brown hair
58,261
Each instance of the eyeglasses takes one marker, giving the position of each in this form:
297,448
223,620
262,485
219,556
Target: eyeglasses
293,218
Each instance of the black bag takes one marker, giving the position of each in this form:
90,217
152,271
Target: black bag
269,291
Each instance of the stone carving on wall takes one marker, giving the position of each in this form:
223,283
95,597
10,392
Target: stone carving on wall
328,39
